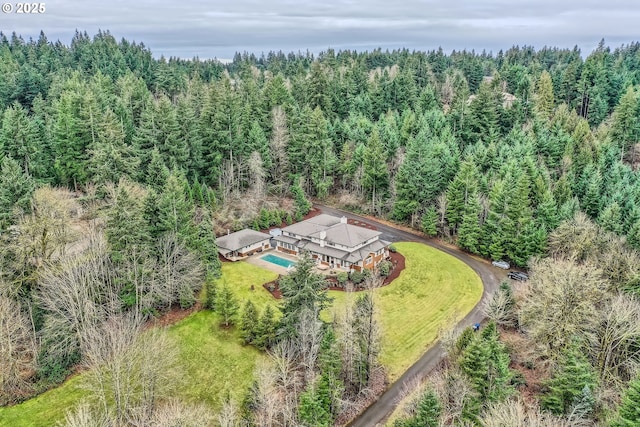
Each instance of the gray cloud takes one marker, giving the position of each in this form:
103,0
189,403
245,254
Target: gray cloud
216,29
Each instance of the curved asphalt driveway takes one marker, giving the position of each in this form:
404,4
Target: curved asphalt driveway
491,277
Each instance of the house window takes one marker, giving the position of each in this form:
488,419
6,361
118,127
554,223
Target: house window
368,260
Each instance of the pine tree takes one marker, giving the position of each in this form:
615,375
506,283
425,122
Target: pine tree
175,210
126,225
211,294
547,211
625,129
375,178
633,236
611,218
249,322
15,191
427,413
629,412
311,410
430,222
566,386
461,192
544,96
470,233
301,203
266,331
302,290
485,361
157,172
226,305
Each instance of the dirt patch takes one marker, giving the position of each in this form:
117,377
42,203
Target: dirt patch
523,360
174,315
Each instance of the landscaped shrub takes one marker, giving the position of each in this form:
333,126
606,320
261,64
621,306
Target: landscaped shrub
392,249
384,268
342,278
356,277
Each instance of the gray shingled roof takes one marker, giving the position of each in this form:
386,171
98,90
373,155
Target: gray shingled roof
241,239
285,239
347,235
312,225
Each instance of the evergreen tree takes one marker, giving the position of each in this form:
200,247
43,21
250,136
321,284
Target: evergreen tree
470,233
249,323
461,192
427,413
375,179
625,129
430,222
565,388
15,191
611,218
19,138
301,203
485,361
266,331
126,225
629,411
302,290
157,172
311,410
175,210
226,305
211,294
544,96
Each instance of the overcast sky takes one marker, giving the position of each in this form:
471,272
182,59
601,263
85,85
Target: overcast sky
209,29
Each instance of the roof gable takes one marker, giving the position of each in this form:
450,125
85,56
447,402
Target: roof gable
241,239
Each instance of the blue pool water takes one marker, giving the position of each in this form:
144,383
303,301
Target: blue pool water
274,259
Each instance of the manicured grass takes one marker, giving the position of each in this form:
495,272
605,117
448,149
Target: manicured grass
212,360
45,409
433,292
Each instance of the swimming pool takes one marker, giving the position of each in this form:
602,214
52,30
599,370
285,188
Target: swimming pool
274,259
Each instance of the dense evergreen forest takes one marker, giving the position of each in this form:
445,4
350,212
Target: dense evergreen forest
500,153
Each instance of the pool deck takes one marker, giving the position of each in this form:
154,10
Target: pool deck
256,260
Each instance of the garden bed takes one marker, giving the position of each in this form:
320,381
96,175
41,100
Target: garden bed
397,265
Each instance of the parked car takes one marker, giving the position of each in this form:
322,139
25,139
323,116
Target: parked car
501,264
517,275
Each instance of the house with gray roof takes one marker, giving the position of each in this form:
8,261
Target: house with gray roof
334,243
241,244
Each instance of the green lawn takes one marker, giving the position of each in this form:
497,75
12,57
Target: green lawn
212,360
433,292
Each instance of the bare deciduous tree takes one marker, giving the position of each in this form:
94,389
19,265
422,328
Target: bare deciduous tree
515,413
83,415
128,368
278,144
614,342
77,294
178,273
45,232
562,302
18,350
308,342
257,175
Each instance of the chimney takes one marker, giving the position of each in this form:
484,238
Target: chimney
343,220
323,235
